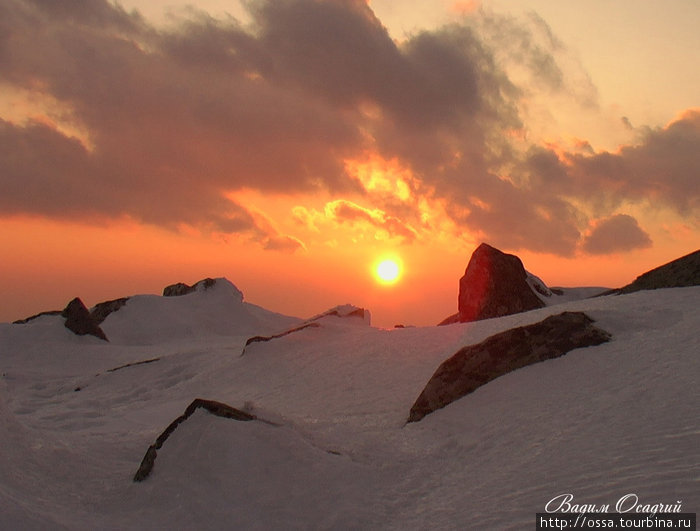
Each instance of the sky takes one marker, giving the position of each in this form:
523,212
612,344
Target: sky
292,145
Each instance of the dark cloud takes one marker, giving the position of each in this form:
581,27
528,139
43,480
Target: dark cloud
48,173
175,119
617,233
512,217
661,169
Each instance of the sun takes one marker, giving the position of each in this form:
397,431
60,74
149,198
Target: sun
388,271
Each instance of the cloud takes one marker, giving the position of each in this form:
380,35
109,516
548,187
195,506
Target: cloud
617,233
176,119
662,168
344,211
169,122
211,101
48,173
283,243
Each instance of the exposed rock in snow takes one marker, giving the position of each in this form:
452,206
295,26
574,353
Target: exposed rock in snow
180,288
79,321
215,408
452,319
133,364
263,339
494,284
538,286
36,316
344,311
679,273
177,289
475,365
101,310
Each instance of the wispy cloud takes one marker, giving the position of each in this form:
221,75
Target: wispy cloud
344,211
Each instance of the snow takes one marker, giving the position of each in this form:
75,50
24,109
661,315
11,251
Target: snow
201,314
599,423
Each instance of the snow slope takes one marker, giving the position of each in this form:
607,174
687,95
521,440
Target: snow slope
216,311
599,422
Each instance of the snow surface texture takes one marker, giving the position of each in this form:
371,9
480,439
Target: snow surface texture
600,422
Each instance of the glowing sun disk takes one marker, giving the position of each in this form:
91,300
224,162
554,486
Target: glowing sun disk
388,271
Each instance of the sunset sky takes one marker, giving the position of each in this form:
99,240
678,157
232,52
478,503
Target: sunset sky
291,146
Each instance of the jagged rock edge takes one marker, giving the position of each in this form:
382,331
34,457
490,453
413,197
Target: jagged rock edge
104,309
36,316
261,339
215,408
133,364
181,288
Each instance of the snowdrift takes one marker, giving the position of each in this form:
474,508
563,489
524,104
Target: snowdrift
335,451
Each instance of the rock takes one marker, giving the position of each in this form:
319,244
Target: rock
475,365
79,321
494,284
133,364
101,310
345,311
262,339
557,291
215,408
180,288
204,284
40,314
452,319
680,273
537,285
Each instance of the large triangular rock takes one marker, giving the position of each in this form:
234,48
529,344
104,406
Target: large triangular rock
79,321
494,284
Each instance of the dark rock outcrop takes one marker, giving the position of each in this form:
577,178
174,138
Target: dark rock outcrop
494,284
40,314
101,310
215,408
343,312
475,365
680,273
262,339
180,288
79,321
452,319
133,364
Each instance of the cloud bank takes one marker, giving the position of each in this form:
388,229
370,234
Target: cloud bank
159,125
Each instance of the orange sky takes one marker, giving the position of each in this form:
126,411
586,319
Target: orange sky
291,152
